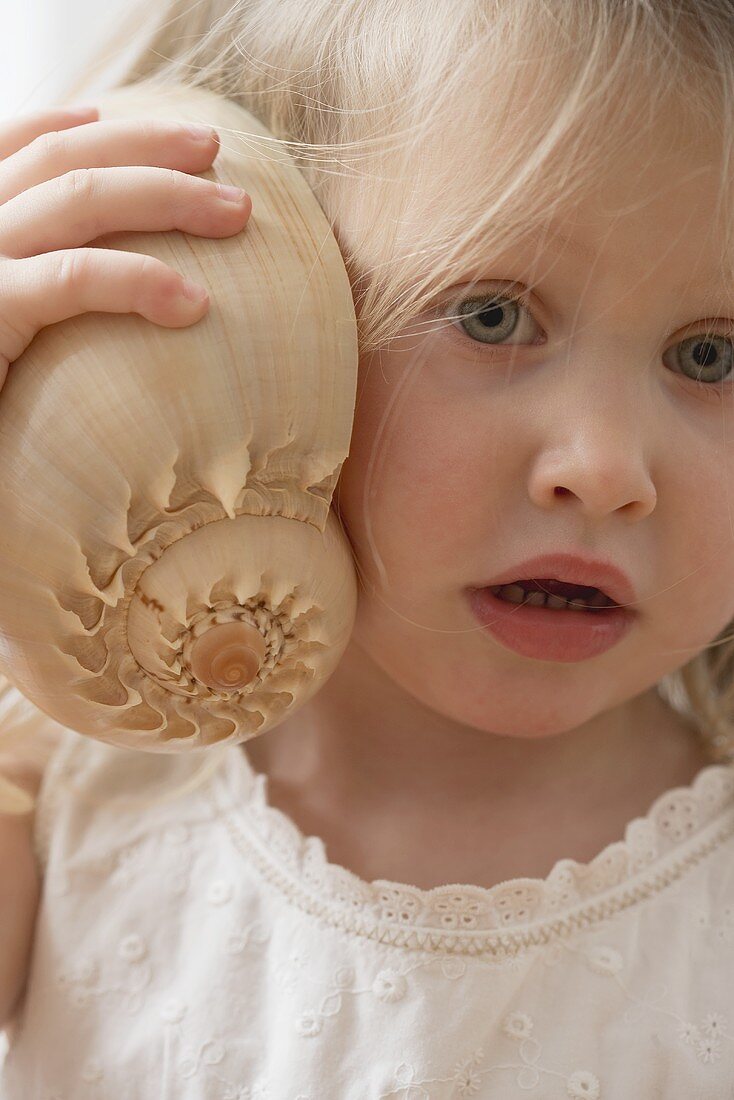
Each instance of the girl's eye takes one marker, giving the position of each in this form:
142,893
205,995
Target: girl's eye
705,359
492,320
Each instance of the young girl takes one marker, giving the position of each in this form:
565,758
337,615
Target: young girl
494,855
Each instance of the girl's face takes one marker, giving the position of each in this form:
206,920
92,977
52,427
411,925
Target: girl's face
580,428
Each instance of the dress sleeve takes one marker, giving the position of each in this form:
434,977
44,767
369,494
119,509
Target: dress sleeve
27,734
31,740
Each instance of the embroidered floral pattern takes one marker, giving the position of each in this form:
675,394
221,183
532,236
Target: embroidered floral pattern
605,960
583,1085
309,1024
706,1039
714,1024
467,1080
389,985
85,985
517,1025
219,892
471,1074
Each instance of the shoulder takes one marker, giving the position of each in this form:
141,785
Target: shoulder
29,739
25,731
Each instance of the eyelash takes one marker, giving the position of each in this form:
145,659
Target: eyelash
709,389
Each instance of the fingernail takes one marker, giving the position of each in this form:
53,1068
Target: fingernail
231,194
202,133
193,291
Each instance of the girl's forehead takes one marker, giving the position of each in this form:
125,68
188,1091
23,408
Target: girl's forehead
632,199
632,138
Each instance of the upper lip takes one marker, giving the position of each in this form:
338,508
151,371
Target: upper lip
572,568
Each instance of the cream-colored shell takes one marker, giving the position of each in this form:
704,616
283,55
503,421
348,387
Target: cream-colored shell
171,575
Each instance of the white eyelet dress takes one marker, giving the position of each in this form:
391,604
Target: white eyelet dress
201,948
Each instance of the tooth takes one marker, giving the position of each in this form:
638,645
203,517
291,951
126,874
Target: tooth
512,592
516,594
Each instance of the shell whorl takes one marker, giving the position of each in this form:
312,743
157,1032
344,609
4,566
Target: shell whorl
226,656
172,575
175,630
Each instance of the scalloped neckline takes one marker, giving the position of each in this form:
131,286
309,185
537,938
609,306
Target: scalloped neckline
680,827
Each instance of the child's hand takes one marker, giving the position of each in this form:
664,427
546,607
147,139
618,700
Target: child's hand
61,187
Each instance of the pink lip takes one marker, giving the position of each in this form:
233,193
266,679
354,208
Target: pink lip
570,567
547,634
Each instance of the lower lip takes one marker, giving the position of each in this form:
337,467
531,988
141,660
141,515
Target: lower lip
549,634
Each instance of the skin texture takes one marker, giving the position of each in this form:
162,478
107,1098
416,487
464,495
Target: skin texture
434,754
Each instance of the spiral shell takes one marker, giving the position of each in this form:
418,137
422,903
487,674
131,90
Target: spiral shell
171,573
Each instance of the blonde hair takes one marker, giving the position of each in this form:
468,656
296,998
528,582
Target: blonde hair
379,102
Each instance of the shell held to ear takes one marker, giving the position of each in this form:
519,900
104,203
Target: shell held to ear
171,574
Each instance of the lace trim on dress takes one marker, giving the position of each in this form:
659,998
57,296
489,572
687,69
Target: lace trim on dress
681,827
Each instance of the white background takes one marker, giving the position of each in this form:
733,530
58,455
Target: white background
42,43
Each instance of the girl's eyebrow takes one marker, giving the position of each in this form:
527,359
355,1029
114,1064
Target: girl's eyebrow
554,238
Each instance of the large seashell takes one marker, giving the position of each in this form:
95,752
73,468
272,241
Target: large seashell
171,574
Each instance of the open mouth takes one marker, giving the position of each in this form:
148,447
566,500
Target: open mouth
553,594
551,620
